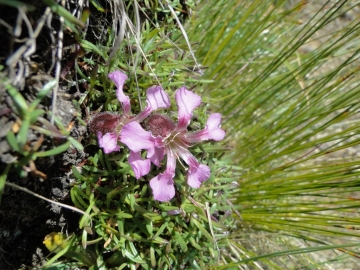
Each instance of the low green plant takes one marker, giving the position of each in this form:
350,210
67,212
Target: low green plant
29,116
131,229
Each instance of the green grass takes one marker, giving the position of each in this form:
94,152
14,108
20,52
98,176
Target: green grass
291,119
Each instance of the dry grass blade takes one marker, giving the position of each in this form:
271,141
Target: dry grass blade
49,201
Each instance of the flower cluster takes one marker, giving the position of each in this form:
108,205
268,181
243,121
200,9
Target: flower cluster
163,136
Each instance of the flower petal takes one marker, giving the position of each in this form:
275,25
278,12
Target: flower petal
108,142
139,165
163,187
156,154
156,98
210,132
136,138
170,161
198,175
187,101
186,155
213,122
119,79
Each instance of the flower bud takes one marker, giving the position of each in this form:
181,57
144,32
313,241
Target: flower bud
105,122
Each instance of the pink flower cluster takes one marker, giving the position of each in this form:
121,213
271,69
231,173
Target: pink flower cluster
163,137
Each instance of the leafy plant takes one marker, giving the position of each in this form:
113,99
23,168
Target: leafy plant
29,115
131,229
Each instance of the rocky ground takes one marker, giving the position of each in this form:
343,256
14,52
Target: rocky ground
24,219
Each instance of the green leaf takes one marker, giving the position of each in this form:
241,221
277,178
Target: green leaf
161,229
42,94
85,218
97,6
124,215
34,115
17,4
74,198
11,139
54,151
59,254
75,143
18,99
180,241
91,47
149,226
152,256
203,230
84,238
133,254
56,8
77,174
3,177
194,244
24,161
23,132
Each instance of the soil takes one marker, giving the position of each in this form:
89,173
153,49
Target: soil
24,219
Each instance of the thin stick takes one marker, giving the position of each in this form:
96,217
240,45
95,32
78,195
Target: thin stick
48,200
211,228
121,33
29,47
185,36
57,68
138,31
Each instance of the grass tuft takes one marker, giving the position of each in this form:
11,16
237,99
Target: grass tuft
285,80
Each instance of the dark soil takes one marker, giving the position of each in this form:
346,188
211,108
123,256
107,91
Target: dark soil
24,219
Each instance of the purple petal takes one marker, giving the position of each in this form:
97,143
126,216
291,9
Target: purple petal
198,175
210,132
136,138
170,161
139,165
156,98
213,122
186,155
119,79
187,101
156,154
163,187
108,142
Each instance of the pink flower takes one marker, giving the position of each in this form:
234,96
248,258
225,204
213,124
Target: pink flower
107,125
173,140
139,165
108,142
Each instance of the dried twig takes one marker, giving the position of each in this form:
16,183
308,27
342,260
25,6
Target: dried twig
26,50
57,66
48,200
185,36
121,33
